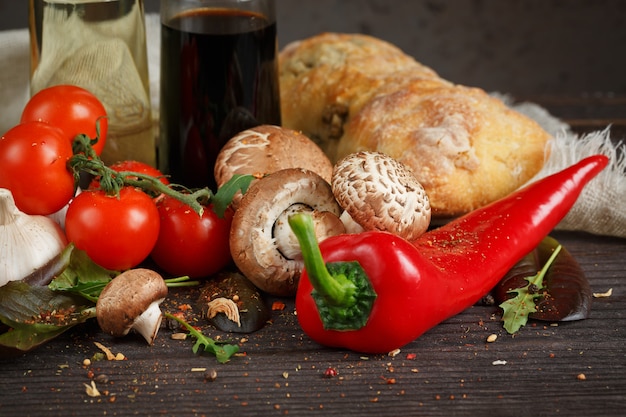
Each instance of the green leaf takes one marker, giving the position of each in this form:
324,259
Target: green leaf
82,276
566,295
224,195
36,314
222,351
517,309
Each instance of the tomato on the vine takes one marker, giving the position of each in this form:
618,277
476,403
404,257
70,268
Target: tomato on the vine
33,166
72,109
135,166
117,232
141,168
189,244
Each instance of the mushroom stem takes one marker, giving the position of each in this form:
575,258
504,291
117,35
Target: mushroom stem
148,322
325,224
350,224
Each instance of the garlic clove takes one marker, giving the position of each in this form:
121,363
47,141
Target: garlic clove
27,242
59,216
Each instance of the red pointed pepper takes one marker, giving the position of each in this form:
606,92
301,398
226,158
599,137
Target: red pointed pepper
374,292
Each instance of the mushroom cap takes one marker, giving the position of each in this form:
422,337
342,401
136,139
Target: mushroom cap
380,193
253,243
126,297
264,149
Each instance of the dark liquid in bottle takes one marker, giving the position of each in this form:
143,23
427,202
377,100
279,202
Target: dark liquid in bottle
219,77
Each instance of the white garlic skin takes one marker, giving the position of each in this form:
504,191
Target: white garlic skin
27,242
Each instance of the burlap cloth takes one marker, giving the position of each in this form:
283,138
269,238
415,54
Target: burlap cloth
600,210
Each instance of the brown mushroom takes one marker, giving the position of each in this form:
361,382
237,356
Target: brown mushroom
379,193
265,149
131,301
261,242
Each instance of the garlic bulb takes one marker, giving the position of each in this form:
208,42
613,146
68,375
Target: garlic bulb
26,242
59,216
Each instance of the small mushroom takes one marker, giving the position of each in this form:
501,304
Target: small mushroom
261,243
232,303
131,301
379,193
264,149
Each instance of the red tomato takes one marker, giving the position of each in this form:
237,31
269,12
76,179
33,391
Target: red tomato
116,232
33,159
140,167
72,109
134,166
189,244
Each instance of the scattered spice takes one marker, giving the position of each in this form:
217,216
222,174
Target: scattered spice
330,372
605,294
492,338
109,355
394,352
278,306
92,390
210,376
101,379
581,377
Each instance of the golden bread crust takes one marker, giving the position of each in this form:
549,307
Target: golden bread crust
353,92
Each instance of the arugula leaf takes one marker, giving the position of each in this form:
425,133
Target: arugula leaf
222,351
517,309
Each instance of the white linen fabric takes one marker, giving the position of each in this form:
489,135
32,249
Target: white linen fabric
601,209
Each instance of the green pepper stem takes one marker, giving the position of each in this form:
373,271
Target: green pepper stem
336,289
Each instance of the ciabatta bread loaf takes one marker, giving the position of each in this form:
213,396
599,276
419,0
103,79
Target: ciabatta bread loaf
352,92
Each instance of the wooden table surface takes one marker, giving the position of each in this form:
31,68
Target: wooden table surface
569,369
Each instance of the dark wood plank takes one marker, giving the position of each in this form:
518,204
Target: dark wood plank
453,371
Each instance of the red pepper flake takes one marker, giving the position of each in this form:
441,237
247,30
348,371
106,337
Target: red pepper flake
411,356
278,306
330,372
179,314
184,307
